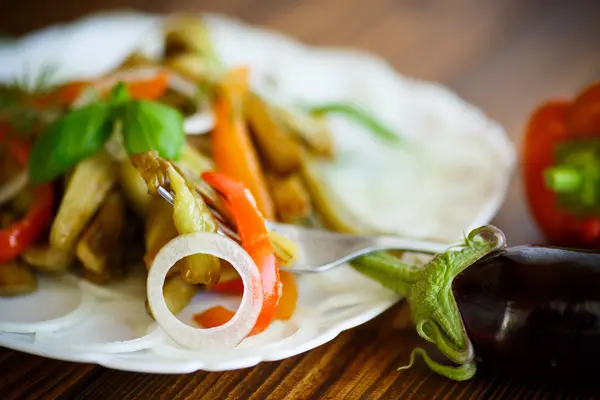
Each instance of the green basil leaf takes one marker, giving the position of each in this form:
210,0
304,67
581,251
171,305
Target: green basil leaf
77,135
119,94
152,126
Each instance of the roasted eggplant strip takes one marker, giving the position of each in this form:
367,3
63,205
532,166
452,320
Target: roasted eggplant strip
190,65
134,188
195,161
178,293
44,258
186,105
312,131
101,247
190,214
228,273
16,279
200,143
280,150
190,36
291,198
136,59
160,229
153,170
89,185
331,212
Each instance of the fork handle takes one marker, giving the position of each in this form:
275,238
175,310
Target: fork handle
412,245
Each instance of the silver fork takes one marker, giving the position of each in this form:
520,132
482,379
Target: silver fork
322,250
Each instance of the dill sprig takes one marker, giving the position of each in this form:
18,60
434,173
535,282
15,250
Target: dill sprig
16,97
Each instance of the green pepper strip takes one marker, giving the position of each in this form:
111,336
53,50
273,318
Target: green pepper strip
428,291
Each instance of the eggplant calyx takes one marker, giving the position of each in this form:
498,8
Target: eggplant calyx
461,372
389,271
429,331
434,310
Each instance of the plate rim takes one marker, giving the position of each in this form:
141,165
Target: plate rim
486,214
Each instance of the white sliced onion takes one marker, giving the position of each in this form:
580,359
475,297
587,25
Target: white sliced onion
224,336
84,309
10,189
199,123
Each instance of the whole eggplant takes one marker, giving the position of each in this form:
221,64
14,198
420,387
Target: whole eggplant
533,307
529,308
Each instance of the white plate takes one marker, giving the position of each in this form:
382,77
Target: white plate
329,303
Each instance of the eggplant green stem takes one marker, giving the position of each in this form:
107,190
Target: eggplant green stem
389,271
428,291
462,372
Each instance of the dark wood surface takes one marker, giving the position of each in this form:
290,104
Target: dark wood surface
505,56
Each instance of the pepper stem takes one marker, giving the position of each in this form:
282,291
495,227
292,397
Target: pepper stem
576,176
563,179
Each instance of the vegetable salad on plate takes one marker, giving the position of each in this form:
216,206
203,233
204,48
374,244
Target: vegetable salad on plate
170,164
84,161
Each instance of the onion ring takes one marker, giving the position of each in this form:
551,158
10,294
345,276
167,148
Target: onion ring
224,336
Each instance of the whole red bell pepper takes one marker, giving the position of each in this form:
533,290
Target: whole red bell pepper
17,237
561,165
255,240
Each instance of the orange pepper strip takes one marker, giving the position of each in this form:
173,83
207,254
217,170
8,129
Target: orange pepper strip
289,296
149,90
213,317
289,293
255,240
139,90
232,147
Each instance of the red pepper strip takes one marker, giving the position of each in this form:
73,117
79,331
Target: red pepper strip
19,149
255,240
213,317
546,130
235,286
17,237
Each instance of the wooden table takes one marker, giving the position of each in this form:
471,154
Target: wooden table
505,56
